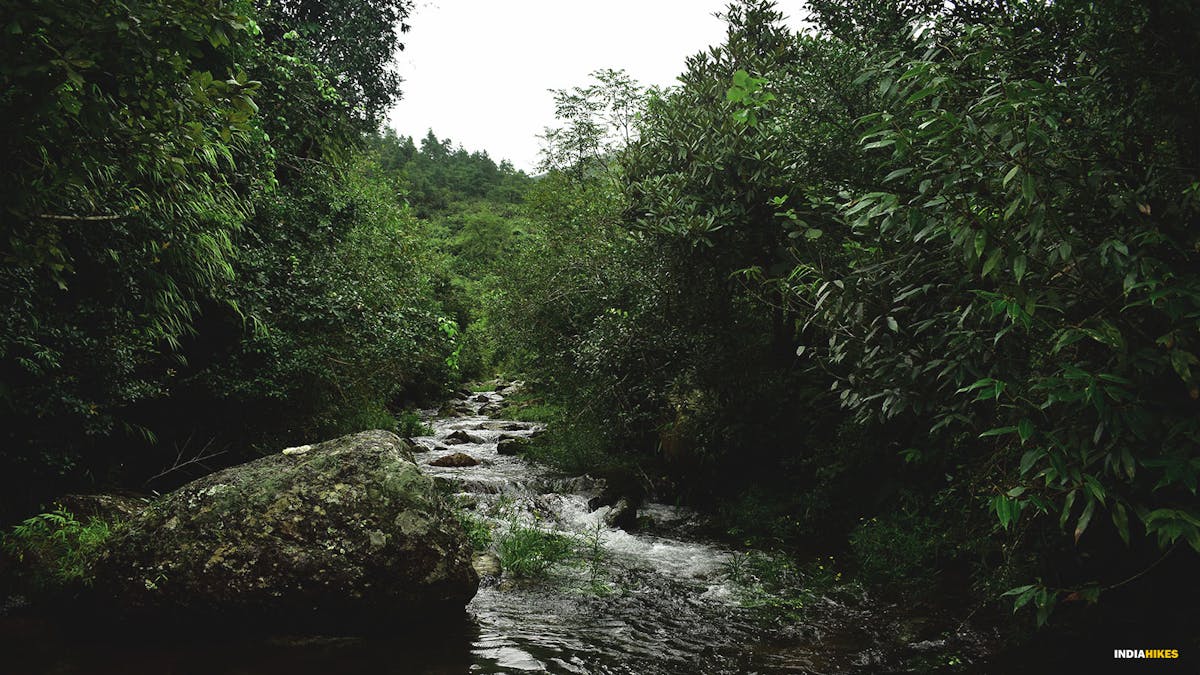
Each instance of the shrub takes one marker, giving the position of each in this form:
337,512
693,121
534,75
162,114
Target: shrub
527,551
900,548
479,532
410,424
55,549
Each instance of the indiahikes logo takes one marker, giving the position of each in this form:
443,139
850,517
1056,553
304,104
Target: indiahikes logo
1145,653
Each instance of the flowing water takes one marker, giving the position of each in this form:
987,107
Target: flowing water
657,600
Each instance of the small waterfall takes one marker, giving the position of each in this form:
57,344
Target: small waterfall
664,602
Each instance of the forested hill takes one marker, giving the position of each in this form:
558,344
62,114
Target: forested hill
918,286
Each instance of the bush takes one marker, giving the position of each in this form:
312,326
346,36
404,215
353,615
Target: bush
527,551
55,550
479,531
900,548
410,424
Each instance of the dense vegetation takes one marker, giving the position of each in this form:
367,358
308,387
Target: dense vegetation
920,283
207,246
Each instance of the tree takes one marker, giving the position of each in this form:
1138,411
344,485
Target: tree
596,122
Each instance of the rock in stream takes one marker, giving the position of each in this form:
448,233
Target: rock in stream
342,537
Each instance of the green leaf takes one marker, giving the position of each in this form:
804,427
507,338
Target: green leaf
1029,459
1084,519
1009,176
1066,510
922,94
1019,265
981,239
998,431
1006,510
1017,591
1025,430
1121,520
992,261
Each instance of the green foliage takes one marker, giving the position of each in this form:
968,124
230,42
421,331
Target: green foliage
471,211
900,548
776,586
479,530
409,424
595,560
529,551
595,122
350,43
346,322
967,232
54,550
193,243
129,128
963,288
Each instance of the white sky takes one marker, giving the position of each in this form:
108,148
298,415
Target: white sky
477,71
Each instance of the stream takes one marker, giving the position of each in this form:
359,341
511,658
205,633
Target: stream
657,600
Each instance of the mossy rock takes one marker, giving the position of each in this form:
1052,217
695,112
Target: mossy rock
512,445
342,537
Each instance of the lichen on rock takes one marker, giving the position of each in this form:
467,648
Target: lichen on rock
344,537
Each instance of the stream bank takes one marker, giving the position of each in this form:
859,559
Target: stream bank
662,598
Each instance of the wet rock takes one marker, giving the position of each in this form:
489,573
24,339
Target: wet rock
500,387
927,645
507,426
487,566
456,460
456,410
616,488
623,514
343,537
482,398
461,436
511,445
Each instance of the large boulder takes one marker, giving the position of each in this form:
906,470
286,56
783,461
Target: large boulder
341,537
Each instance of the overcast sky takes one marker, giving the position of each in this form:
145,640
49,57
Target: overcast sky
477,71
